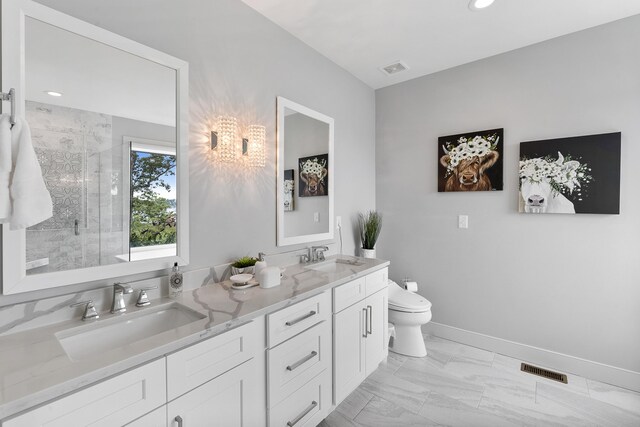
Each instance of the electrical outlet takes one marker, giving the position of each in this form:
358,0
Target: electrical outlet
316,217
463,221
338,222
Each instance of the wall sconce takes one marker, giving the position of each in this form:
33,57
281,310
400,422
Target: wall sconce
226,140
256,151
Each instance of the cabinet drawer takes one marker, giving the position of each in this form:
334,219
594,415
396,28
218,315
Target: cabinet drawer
113,402
195,365
376,281
293,363
306,407
294,319
348,294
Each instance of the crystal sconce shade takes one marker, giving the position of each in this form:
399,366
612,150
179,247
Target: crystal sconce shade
256,146
227,139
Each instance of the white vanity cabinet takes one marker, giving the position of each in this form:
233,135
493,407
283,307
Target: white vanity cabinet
288,367
219,380
299,363
359,331
113,402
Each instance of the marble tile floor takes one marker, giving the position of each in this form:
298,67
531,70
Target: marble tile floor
459,385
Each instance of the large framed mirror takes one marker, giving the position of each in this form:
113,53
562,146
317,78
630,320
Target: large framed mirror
109,125
305,174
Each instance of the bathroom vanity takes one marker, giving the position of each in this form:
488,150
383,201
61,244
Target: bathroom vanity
281,356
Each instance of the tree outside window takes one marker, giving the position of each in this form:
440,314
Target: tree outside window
153,199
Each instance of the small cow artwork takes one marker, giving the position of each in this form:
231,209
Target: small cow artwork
570,175
289,186
314,176
471,161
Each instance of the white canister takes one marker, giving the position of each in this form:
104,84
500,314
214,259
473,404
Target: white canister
269,277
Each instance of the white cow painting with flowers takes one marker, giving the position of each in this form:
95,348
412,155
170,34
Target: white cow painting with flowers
471,161
570,175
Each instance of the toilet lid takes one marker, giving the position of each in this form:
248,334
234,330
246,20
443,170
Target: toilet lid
403,300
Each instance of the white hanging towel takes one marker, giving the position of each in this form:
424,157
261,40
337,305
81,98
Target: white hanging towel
5,168
29,200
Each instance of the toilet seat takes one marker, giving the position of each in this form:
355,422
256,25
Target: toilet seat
405,301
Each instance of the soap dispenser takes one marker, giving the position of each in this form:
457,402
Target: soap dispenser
175,282
261,264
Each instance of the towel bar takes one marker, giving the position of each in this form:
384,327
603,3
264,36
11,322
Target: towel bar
11,97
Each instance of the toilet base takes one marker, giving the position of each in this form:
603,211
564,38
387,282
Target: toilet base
408,341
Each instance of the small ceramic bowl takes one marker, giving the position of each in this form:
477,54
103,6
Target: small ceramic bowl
241,278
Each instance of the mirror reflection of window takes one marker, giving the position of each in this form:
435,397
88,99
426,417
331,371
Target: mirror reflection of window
152,206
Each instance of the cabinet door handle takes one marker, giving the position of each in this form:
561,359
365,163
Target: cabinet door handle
297,419
303,360
366,320
369,320
300,319
178,419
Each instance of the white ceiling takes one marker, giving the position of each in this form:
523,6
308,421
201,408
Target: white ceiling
430,35
96,77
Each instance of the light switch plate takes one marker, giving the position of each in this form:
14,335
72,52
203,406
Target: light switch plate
316,217
463,221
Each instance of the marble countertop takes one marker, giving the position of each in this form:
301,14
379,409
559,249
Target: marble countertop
34,367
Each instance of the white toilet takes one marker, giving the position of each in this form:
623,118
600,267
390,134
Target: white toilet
407,312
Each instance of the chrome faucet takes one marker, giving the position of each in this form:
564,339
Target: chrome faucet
119,290
317,253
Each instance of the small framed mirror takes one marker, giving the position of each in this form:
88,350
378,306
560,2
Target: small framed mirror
109,125
305,174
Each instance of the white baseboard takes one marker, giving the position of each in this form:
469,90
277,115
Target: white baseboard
539,356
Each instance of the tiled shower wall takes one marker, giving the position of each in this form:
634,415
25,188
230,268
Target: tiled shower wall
83,172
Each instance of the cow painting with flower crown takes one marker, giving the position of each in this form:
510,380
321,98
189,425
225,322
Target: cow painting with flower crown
471,162
571,175
314,176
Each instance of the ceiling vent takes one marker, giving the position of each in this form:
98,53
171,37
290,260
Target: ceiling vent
394,68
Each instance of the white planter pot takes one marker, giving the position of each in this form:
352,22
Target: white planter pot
244,270
368,253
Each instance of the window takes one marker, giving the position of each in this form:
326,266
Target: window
152,206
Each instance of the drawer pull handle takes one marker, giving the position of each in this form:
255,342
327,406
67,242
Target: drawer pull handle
297,419
178,419
303,360
306,316
366,320
370,320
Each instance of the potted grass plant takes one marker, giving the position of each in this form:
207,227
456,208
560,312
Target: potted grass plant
243,265
370,224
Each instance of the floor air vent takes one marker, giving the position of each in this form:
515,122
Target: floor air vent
556,376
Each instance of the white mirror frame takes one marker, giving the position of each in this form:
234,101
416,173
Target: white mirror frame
14,278
282,240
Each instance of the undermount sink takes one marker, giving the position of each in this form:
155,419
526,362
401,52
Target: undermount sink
335,265
107,334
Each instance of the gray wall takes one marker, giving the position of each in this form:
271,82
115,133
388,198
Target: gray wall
239,62
560,282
